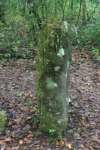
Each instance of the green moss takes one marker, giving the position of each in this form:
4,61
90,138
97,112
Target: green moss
3,120
52,58
48,123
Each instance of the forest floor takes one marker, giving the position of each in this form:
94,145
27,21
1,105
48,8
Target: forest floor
17,98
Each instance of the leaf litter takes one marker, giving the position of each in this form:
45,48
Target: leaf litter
17,98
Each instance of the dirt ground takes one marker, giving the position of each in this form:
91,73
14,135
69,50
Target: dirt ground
17,98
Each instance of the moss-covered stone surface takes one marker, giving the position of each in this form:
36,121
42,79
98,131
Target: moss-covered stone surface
53,61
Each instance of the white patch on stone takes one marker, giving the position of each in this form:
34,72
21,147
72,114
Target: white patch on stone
66,26
66,75
61,52
57,68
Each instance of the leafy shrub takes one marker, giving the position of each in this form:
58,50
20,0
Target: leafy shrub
16,38
90,35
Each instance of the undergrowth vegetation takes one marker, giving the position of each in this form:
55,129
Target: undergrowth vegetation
89,35
20,22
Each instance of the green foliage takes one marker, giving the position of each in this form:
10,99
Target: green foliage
96,53
90,35
22,20
15,35
3,120
2,10
16,40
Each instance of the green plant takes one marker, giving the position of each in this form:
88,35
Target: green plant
3,120
15,39
90,35
96,53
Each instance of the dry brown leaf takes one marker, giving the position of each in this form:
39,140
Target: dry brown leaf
2,141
